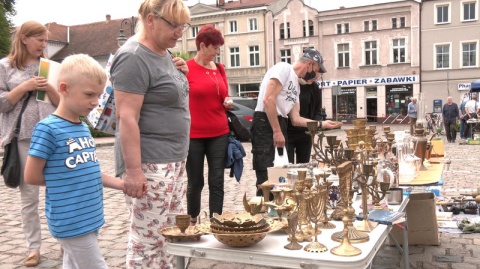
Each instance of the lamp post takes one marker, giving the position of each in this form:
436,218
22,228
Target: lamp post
121,37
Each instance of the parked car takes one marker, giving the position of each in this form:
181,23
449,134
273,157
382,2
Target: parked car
244,114
250,102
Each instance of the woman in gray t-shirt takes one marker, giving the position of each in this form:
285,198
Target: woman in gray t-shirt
151,96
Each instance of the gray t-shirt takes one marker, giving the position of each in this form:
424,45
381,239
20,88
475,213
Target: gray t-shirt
164,117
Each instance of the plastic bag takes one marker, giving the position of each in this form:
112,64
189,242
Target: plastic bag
280,160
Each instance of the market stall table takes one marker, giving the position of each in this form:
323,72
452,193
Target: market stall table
271,252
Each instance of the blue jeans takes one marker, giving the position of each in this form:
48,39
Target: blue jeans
215,149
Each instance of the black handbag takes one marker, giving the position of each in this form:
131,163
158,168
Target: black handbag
237,130
11,167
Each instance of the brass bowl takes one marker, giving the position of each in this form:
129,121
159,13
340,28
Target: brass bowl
240,240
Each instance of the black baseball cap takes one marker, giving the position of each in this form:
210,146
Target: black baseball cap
314,55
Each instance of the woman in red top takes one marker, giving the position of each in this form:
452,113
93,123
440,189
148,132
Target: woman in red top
209,127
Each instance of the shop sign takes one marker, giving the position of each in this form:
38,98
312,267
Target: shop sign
372,81
464,86
401,89
348,91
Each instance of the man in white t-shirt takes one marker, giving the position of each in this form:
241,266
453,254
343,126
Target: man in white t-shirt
472,108
278,99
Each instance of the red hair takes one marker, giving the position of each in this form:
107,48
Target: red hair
209,35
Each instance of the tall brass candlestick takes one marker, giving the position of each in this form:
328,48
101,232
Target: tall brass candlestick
346,248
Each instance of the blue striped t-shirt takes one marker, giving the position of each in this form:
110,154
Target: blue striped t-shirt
74,190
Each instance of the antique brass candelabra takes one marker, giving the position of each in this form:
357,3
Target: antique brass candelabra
315,205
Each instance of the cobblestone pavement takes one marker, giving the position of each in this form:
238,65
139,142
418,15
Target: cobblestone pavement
457,251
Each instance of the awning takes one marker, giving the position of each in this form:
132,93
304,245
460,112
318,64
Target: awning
475,86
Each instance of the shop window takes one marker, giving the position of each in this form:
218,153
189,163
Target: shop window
347,104
397,99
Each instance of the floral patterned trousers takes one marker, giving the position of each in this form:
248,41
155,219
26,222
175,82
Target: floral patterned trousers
154,211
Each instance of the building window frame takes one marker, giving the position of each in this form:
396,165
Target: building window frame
284,31
469,12
308,29
442,13
286,56
252,25
399,50
234,56
343,55
343,28
194,31
254,56
394,23
469,55
233,26
442,56
370,52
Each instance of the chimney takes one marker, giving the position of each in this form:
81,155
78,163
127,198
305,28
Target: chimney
221,3
108,17
342,7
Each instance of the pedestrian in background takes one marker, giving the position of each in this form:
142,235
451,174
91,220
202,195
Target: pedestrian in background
463,116
412,114
450,116
472,108
18,80
299,145
62,157
278,99
151,97
209,130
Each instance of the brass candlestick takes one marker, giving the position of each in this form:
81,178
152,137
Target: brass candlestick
266,187
315,204
291,230
346,172
346,248
301,235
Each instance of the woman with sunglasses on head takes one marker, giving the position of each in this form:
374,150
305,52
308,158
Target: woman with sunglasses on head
18,80
151,96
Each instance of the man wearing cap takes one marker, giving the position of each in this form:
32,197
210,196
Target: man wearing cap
472,109
278,100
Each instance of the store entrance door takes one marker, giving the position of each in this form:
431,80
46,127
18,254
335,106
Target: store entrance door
372,109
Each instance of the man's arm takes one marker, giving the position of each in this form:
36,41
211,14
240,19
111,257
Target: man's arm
270,102
297,120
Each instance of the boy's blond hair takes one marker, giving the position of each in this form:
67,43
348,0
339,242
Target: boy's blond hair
79,68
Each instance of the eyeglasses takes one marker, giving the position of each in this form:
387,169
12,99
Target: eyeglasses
175,27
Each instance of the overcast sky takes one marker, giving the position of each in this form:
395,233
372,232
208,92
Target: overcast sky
69,12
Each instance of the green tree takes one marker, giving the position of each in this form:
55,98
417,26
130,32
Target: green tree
183,54
7,10
4,33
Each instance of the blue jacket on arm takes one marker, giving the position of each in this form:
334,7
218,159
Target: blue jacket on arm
235,154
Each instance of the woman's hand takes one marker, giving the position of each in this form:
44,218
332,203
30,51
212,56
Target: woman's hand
228,103
180,64
35,83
